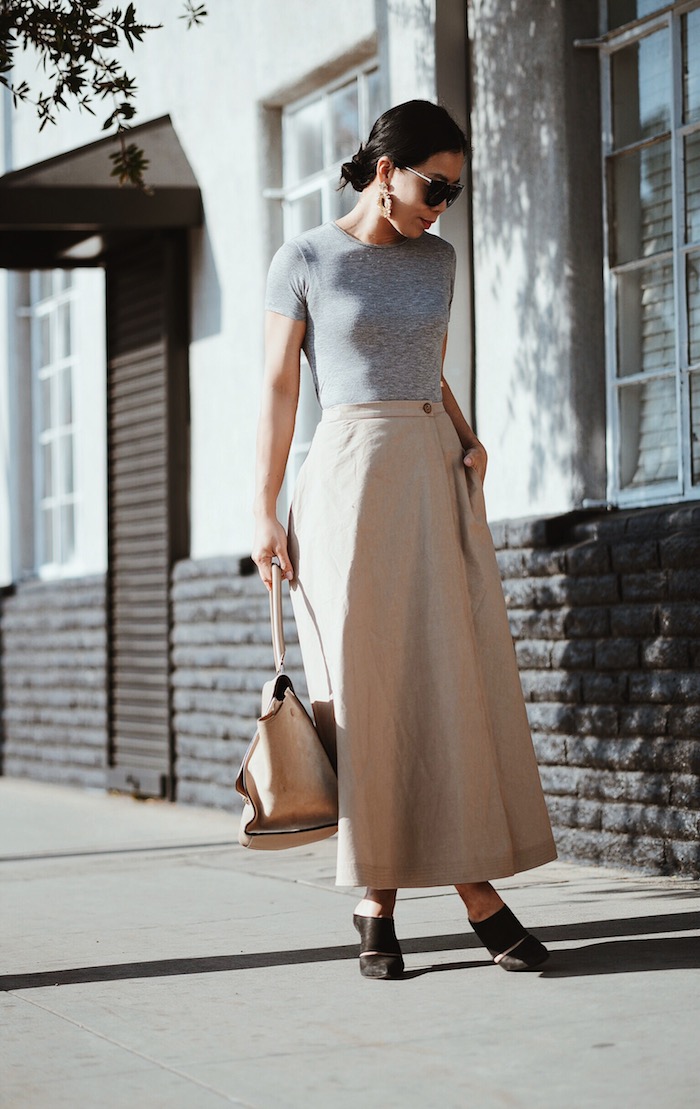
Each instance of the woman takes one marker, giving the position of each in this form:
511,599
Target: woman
396,591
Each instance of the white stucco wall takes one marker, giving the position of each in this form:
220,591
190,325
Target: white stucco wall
5,522
212,81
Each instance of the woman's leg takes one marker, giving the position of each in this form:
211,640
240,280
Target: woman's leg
500,931
380,951
480,899
377,903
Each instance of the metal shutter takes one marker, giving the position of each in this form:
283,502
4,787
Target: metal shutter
147,435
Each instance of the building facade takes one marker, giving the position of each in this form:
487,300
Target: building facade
133,635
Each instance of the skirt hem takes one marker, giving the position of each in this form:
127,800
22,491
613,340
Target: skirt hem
377,878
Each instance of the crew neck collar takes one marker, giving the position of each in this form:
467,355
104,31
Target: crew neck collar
361,242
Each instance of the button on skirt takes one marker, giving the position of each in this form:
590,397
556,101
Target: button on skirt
408,655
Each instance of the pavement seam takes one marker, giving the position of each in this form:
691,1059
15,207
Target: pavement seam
132,1051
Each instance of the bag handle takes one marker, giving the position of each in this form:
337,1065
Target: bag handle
278,647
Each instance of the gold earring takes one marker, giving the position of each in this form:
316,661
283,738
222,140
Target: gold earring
384,200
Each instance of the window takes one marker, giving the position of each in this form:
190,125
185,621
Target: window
651,102
319,133
54,370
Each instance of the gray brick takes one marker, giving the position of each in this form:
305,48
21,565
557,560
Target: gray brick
588,559
666,654
545,717
534,653
596,720
611,849
604,689
573,654
684,720
685,791
680,552
212,795
560,780
550,685
637,620
586,623
635,555
594,590
684,584
682,857
510,563
499,533
664,685
530,532
617,654
679,619
544,563
643,719
549,749
534,624
650,586
572,812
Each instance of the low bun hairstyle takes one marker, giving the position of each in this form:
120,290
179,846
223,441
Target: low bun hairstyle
409,134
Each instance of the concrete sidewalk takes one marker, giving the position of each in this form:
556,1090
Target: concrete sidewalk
150,961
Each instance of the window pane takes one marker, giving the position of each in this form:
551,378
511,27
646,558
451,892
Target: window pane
692,188
303,142
47,546
643,221
46,414
695,426
374,93
47,468
65,446
625,11
65,401
645,321
693,285
67,532
63,279
648,433
345,122
304,213
45,283
690,27
641,82
63,330
45,352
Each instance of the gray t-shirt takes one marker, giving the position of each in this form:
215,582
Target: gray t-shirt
376,316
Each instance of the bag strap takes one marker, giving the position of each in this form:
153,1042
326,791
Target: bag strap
278,647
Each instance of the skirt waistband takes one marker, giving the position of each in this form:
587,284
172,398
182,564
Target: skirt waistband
379,409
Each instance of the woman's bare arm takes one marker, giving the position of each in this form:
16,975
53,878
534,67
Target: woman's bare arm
280,396
475,452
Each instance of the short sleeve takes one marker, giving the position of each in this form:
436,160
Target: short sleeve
288,282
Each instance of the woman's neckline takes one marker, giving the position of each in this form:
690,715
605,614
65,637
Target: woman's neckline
361,242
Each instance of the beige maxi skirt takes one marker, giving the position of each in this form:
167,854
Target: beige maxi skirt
408,655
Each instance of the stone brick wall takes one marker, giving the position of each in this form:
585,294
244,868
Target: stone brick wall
605,614
54,700
221,655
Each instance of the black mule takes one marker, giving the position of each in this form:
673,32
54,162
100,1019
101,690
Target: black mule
510,945
377,935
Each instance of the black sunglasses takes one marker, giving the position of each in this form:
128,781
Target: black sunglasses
437,190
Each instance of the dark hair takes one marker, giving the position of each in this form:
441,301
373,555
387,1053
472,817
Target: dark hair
409,134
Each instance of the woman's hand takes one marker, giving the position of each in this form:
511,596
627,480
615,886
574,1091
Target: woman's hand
476,459
270,540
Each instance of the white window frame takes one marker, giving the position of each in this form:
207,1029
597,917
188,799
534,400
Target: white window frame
326,181
681,488
42,307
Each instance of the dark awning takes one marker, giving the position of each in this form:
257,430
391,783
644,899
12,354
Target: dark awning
68,211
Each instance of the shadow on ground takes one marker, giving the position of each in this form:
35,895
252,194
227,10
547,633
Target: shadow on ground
628,956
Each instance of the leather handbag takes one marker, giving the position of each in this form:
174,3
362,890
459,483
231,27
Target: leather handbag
286,779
